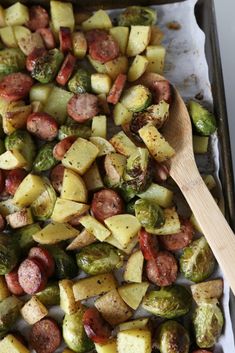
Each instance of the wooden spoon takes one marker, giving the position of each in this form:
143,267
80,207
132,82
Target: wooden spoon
184,171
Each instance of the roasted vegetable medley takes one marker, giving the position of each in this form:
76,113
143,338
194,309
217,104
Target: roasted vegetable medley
89,220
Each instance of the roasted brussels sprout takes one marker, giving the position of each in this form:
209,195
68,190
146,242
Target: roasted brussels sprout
172,338
156,114
25,236
50,295
197,261
137,175
125,190
43,206
203,120
78,130
136,98
99,258
45,159
9,253
47,66
11,60
208,323
65,265
22,141
80,82
130,206
169,302
149,214
137,15
9,312
74,334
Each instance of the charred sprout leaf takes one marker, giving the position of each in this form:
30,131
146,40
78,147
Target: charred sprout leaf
65,265
50,295
22,141
9,312
172,338
137,15
74,334
138,170
80,82
11,60
149,214
156,114
45,159
170,302
208,323
9,253
203,120
197,261
43,206
47,66
78,130
99,258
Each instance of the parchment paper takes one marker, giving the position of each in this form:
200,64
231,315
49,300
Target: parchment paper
186,67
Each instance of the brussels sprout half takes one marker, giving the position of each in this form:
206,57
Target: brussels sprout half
65,265
149,214
202,119
197,261
9,253
78,130
172,338
208,322
170,302
45,159
99,258
11,60
80,82
43,206
9,312
137,15
50,295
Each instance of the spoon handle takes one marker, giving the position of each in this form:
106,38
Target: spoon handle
212,222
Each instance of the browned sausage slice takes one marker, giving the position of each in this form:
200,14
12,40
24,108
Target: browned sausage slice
43,126
104,50
82,107
63,146
48,37
160,172
148,244
45,336
162,91
13,179
97,329
38,18
66,70
65,39
163,269
32,277
15,86
13,284
179,240
117,88
42,255
106,203
95,35
56,177
33,56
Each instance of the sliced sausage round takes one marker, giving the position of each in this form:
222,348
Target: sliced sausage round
82,107
43,126
38,18
42,255
33,56
106,203
65,39
66,70
32,276
63,146
96,328
48,37
117,88
13,179
2,180
95,35
148,244
179,240
16,86
56,177
162,91
2,223
162,270
45,336
104,50
13,284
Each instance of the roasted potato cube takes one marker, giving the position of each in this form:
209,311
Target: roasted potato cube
54,233
116,66
12,345
138,40
207,290
133,293
109,347
8,37
65,210
73,187
17,14
134,268
29,190
99,126
11,160
20,218
95,227
171,225
159,194
92,178
33,311
120,34
62,15
123,144
135,340
100,20
83,239
133,324
67,300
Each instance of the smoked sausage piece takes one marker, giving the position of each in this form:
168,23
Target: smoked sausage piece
38,18
45,336
42,255
106,203
32,276
16,86
148,244
179,240
42,125
82,107
12,280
